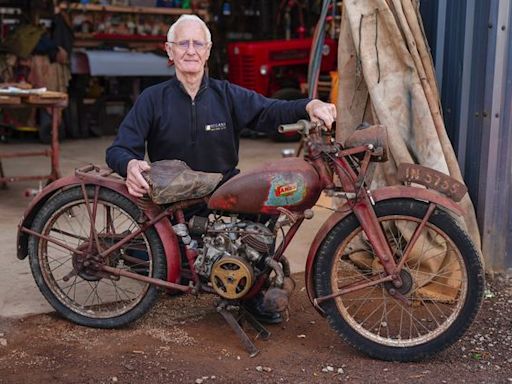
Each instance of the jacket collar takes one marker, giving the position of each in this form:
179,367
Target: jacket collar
204,84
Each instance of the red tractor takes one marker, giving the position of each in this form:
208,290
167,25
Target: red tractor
276,68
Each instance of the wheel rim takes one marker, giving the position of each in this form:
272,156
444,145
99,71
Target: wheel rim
437,291
86,291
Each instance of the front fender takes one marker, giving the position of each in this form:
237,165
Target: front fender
163,227
381,194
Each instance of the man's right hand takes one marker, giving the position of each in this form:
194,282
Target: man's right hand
135,182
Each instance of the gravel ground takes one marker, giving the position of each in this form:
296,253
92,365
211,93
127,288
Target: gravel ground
183,340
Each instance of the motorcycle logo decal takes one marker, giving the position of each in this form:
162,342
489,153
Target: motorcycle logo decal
285,191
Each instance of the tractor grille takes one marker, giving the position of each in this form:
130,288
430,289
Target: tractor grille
248,72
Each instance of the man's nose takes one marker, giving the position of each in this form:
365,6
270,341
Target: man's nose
190,48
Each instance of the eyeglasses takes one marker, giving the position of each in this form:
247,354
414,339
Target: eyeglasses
185,44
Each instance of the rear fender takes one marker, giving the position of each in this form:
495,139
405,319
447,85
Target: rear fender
163,227
381,194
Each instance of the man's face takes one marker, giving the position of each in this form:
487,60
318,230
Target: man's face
189,50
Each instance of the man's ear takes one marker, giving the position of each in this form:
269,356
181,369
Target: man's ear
169,51
209,51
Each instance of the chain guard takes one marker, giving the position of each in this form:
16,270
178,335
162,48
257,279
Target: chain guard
232,277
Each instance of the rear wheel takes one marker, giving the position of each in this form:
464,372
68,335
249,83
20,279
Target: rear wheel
62,270
442,289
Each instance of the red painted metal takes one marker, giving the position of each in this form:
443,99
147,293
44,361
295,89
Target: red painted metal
56,104
288,238
414,238
55,158
150,280
9,155
364,283
290,183
381,194
366,215
256,64
287,186
152,211
52,240
315,158
445,184
401,191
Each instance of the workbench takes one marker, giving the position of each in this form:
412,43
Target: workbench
55,101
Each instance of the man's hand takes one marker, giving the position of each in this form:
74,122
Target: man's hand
319,111
135,182
62,56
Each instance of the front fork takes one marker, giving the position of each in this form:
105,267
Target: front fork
365,213
363,209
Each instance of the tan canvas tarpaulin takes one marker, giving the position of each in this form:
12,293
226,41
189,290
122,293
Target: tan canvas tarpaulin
386,77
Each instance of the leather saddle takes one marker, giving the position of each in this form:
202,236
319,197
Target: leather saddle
173,180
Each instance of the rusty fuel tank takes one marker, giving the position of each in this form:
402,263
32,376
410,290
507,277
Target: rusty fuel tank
291,183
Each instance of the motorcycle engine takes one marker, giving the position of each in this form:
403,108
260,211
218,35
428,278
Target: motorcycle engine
231,254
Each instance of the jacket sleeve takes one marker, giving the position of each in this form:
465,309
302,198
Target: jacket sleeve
130,142
257,112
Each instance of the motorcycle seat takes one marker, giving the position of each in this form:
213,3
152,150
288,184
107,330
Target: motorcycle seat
171,181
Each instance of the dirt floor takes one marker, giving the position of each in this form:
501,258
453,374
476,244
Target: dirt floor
183,340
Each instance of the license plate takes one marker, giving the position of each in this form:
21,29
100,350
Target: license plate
430,178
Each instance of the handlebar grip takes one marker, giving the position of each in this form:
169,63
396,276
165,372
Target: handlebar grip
300,125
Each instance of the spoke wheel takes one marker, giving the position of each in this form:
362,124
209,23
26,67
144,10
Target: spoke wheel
442,283
64,272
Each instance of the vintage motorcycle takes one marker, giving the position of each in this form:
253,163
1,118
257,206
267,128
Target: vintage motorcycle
391,268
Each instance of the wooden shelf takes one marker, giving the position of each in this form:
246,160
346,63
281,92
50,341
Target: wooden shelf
120,37
133,41
138,42
133,9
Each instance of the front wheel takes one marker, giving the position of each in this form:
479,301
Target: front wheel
443,283
60,261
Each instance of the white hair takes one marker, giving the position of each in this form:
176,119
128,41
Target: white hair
183,18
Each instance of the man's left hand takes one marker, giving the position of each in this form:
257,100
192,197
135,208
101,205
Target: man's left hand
319,111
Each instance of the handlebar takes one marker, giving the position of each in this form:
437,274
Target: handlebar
302,126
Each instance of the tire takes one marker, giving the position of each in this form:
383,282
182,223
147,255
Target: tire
443,301
88,297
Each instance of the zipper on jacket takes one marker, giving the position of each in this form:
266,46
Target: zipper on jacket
194,114
194,122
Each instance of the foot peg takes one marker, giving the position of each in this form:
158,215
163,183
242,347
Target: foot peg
235,323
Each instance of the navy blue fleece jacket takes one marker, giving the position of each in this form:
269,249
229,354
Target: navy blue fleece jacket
204,133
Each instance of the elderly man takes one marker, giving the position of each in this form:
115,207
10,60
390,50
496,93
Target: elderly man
175,118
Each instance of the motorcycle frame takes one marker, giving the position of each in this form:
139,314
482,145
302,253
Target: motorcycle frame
153,215
362,205
92,176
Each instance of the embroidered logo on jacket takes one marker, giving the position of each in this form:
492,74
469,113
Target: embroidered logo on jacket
215,127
